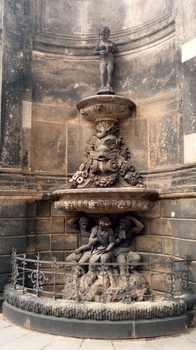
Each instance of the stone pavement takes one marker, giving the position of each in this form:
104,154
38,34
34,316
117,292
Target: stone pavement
16,338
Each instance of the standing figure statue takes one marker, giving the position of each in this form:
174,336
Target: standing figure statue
105,49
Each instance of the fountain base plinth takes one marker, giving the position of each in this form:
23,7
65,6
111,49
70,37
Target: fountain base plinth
118,320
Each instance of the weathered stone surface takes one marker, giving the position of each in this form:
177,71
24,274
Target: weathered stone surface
42,243
5,265
58,225
183,247
31,209
83,19
43,209
30,226
43,225
149,244
7,243
13,227
161,227
163,150
136,139
189,95
184,228
154,212
49,146
161,262
55,212
5,278
193,272
12,85
30,244
179,208
192,287
63,242
50,256
13,210
168,246
55,225
85,27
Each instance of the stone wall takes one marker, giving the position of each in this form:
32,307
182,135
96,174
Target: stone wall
16,227
169,230
53,237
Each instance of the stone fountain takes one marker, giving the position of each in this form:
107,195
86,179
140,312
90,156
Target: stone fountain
113,299
107,187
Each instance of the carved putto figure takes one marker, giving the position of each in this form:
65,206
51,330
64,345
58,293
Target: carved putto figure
105,49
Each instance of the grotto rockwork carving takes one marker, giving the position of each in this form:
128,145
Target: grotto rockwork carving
107,263
105,48
107,161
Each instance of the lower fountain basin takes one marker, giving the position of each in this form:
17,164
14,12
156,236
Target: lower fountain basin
92,320
105,200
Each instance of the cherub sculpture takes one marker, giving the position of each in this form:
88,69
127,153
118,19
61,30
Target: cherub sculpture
105,49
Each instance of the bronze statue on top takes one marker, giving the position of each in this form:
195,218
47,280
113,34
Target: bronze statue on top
105,49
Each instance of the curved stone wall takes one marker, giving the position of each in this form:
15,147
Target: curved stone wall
73,26
65,71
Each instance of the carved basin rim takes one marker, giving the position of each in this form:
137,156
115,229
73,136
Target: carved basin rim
104,200
113,106
91,310
127,192
117,99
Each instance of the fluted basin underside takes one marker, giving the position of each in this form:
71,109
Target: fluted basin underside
101,107
105,200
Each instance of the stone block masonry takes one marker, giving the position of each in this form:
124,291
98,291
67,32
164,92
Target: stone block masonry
53,235
172,231
15,226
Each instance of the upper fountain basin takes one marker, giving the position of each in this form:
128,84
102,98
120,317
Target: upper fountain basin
101,107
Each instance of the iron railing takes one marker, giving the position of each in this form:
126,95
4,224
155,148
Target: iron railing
70,281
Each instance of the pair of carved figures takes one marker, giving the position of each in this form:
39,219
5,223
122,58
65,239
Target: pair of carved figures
102,244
